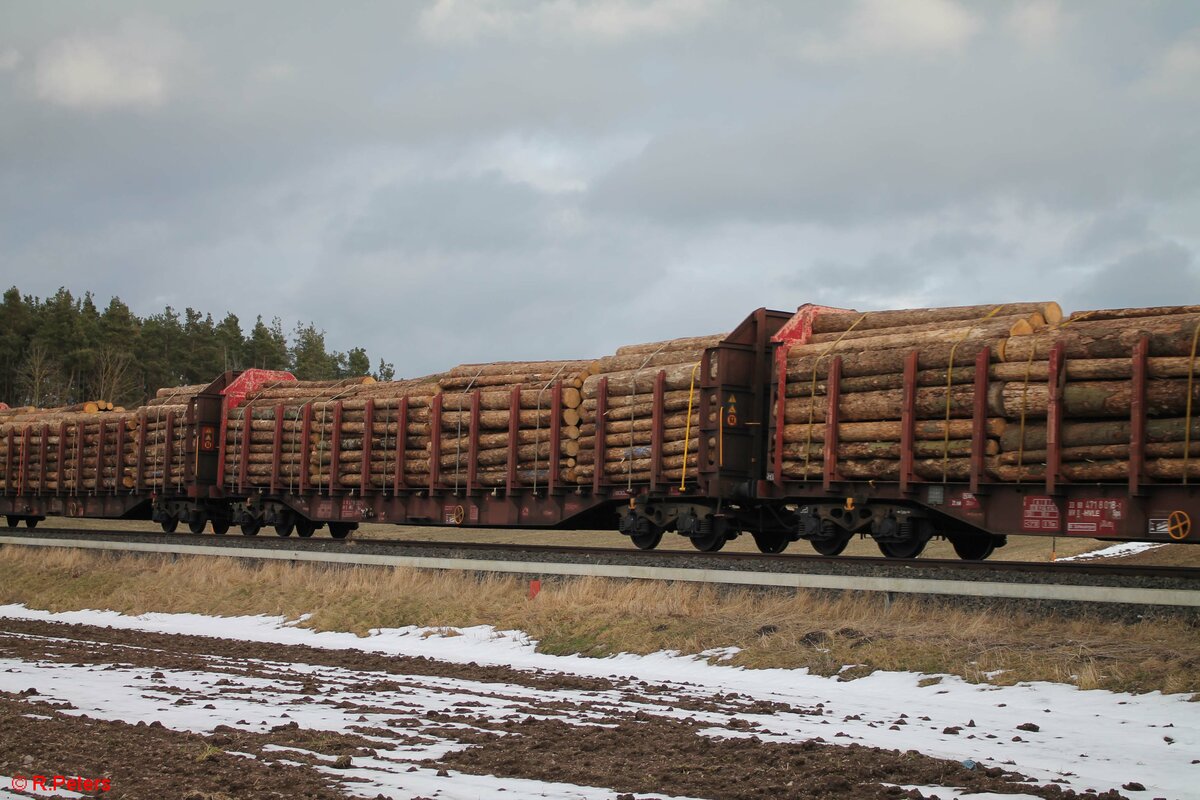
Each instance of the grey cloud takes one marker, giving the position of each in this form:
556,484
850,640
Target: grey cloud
483,213
324,164
957,245
1162,273
1109,230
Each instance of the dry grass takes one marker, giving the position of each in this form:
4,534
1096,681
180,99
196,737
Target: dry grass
600,617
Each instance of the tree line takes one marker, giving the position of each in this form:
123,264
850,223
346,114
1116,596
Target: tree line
63,350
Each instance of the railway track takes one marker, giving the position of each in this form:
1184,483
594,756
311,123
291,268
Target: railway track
1136,587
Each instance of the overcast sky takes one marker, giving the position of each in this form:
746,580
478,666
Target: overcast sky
466,180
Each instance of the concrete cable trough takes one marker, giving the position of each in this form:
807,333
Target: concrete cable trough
1077,583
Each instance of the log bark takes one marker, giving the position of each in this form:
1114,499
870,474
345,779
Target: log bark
625,452
876,450
531,399
1168,336
534,379
963,328
930,430
640,361
495,420
678,376
801,367
625,425
1132,313
1164,398
1099,452
561,368
1079,369
888,340
1081,434
496,456
687,343
837,321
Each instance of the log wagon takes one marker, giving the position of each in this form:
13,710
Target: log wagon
969,423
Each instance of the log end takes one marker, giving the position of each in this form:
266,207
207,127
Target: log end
1021,327
1053,314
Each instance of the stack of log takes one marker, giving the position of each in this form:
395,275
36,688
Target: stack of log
250,429
90,439
164,420
535,416
1097,391
630,374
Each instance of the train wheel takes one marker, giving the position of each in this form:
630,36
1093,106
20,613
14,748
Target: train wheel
13,521
284,528
305,527
340,530
830,547
710,543
251,528
197,522
909,548
31,522
169,524
220,526
973,548
771,543
648,540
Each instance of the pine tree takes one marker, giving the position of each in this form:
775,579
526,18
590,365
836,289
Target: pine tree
267,347
310,360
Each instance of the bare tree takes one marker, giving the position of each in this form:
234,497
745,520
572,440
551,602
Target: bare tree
113,378
37,374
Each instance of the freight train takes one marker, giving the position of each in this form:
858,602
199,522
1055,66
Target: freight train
767,450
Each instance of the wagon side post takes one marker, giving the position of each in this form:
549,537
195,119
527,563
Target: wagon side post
1137,415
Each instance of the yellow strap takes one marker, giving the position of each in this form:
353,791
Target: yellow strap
949,385
1187,422
1079,316
687,429
812,395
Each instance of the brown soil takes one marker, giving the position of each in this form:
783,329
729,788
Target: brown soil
654,754
628,749
89,644
140,761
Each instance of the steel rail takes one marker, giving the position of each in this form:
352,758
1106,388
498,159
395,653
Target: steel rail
1074,583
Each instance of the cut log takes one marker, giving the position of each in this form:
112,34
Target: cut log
1081,434
837,321
891,361
1023,323
559,368
678,376
689,343
901,338
1131,313
533,379
1100,452
1167,336
877,450
641,361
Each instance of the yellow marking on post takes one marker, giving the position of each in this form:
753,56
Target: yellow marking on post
1179,525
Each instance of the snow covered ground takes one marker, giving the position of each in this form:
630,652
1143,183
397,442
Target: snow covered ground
1115,550
1084,739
